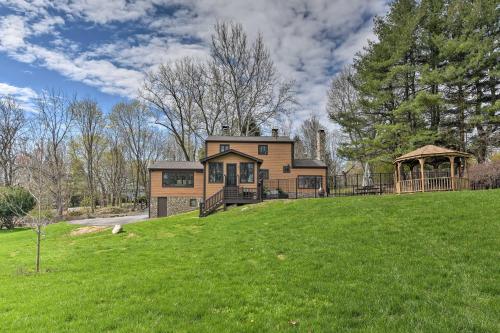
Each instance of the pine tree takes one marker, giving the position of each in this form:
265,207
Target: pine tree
431,78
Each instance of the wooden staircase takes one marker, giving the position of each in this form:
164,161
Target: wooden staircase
212,203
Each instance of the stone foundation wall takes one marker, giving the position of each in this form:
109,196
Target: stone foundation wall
153,207
175,205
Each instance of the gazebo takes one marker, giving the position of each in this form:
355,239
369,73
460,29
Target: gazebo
431,168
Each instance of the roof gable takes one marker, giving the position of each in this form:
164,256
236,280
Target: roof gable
231,151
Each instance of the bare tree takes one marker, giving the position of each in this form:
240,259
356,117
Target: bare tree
89,121
168,93
249,79
208,92
55,120
309,134
133,123
114,166
12,123
344,110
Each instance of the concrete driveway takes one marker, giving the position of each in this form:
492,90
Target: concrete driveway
110,221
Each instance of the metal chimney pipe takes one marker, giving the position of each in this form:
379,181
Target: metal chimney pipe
274,132
225,130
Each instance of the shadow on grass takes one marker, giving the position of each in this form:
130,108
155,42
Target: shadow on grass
8,231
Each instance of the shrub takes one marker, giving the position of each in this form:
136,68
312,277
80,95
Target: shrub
485,174
15,202
113,210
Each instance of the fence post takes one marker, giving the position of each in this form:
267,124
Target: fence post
380,183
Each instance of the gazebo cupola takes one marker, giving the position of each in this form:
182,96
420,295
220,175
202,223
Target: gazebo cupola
431,168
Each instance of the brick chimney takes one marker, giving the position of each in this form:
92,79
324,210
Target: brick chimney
274,132
320,142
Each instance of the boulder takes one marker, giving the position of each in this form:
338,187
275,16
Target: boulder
117,229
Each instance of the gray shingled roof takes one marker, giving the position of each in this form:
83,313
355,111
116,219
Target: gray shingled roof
250,138
308,164
177,165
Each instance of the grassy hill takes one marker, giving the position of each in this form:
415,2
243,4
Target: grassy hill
424,262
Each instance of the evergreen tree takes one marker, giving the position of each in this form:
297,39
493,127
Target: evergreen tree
431,78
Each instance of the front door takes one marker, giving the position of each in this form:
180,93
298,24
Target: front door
231,174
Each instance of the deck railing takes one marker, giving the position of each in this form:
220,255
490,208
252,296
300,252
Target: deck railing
241,193
212,203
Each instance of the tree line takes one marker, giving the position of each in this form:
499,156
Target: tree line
72,153
432,77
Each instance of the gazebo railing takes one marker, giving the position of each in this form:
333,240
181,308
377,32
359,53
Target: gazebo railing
434,184
411,185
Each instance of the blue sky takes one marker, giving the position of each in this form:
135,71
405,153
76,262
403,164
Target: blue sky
102,48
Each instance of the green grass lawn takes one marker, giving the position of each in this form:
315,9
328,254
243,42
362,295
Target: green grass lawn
419,263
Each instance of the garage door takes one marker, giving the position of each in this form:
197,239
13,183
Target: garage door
162,207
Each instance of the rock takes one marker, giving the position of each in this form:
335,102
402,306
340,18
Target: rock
117,229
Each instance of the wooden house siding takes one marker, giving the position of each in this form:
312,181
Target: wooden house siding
157,189
279,155
211,188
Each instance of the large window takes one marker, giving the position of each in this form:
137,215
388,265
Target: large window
263,174
178,178
215,172
246,173
310,182
223,147
263,149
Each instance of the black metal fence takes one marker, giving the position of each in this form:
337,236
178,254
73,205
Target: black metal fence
485,185
347,185
292,189
357,184
383,183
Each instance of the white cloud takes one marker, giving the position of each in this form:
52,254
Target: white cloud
24,95
13,31
306,38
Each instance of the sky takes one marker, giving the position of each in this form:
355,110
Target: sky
102,48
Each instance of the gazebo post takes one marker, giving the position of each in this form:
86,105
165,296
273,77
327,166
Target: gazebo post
422,173
398,183
466,171
452,172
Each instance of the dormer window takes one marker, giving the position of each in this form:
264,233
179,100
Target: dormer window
223,147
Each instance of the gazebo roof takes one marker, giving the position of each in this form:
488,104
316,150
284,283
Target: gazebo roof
429,151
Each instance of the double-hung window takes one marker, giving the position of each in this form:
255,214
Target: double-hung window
215,172
223,147
247,172
263,150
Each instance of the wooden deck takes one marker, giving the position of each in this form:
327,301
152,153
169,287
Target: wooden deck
230,195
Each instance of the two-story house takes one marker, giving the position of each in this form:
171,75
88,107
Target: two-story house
237,169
